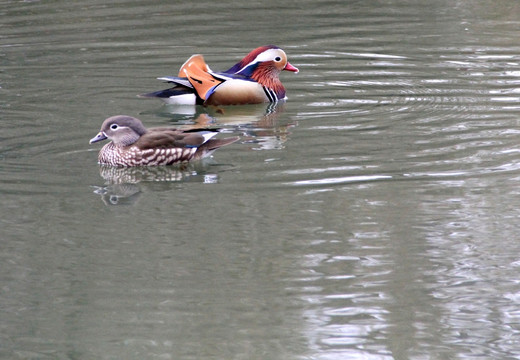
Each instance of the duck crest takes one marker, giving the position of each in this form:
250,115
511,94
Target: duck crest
248,59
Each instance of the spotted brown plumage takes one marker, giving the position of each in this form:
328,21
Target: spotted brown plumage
133,145
253,80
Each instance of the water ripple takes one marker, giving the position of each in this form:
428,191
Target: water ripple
340,180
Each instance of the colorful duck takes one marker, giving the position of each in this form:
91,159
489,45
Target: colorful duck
253,80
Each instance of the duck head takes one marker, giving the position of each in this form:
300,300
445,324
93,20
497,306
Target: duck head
269,56
122,130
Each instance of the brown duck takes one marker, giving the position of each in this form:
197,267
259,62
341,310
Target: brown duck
133,145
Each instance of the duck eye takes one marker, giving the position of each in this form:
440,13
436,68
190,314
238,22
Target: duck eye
114,126
277,58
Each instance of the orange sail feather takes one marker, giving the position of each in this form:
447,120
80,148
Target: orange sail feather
199,76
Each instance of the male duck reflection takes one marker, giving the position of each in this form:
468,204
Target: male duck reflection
253,80
133,145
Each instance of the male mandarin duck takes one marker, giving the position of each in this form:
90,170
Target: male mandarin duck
133,145
253,80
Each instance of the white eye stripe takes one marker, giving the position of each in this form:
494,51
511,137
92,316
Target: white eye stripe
117,127
268,55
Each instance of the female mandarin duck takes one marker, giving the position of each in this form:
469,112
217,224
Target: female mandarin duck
253,80
133,145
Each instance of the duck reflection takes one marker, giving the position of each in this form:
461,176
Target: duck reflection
261,124
119,194
174,173
123,186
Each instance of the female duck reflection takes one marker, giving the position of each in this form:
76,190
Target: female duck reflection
124,185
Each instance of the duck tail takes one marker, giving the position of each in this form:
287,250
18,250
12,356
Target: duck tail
211,145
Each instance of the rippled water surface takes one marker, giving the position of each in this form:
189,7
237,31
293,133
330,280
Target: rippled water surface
374,215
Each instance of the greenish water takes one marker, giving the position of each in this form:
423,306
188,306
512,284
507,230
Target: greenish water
374,215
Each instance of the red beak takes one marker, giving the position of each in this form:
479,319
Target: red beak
289,67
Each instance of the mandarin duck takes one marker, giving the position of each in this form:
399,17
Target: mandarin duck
133,145
253,80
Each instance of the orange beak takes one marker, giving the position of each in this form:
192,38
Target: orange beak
289,67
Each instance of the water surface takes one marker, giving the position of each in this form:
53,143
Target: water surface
374,215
